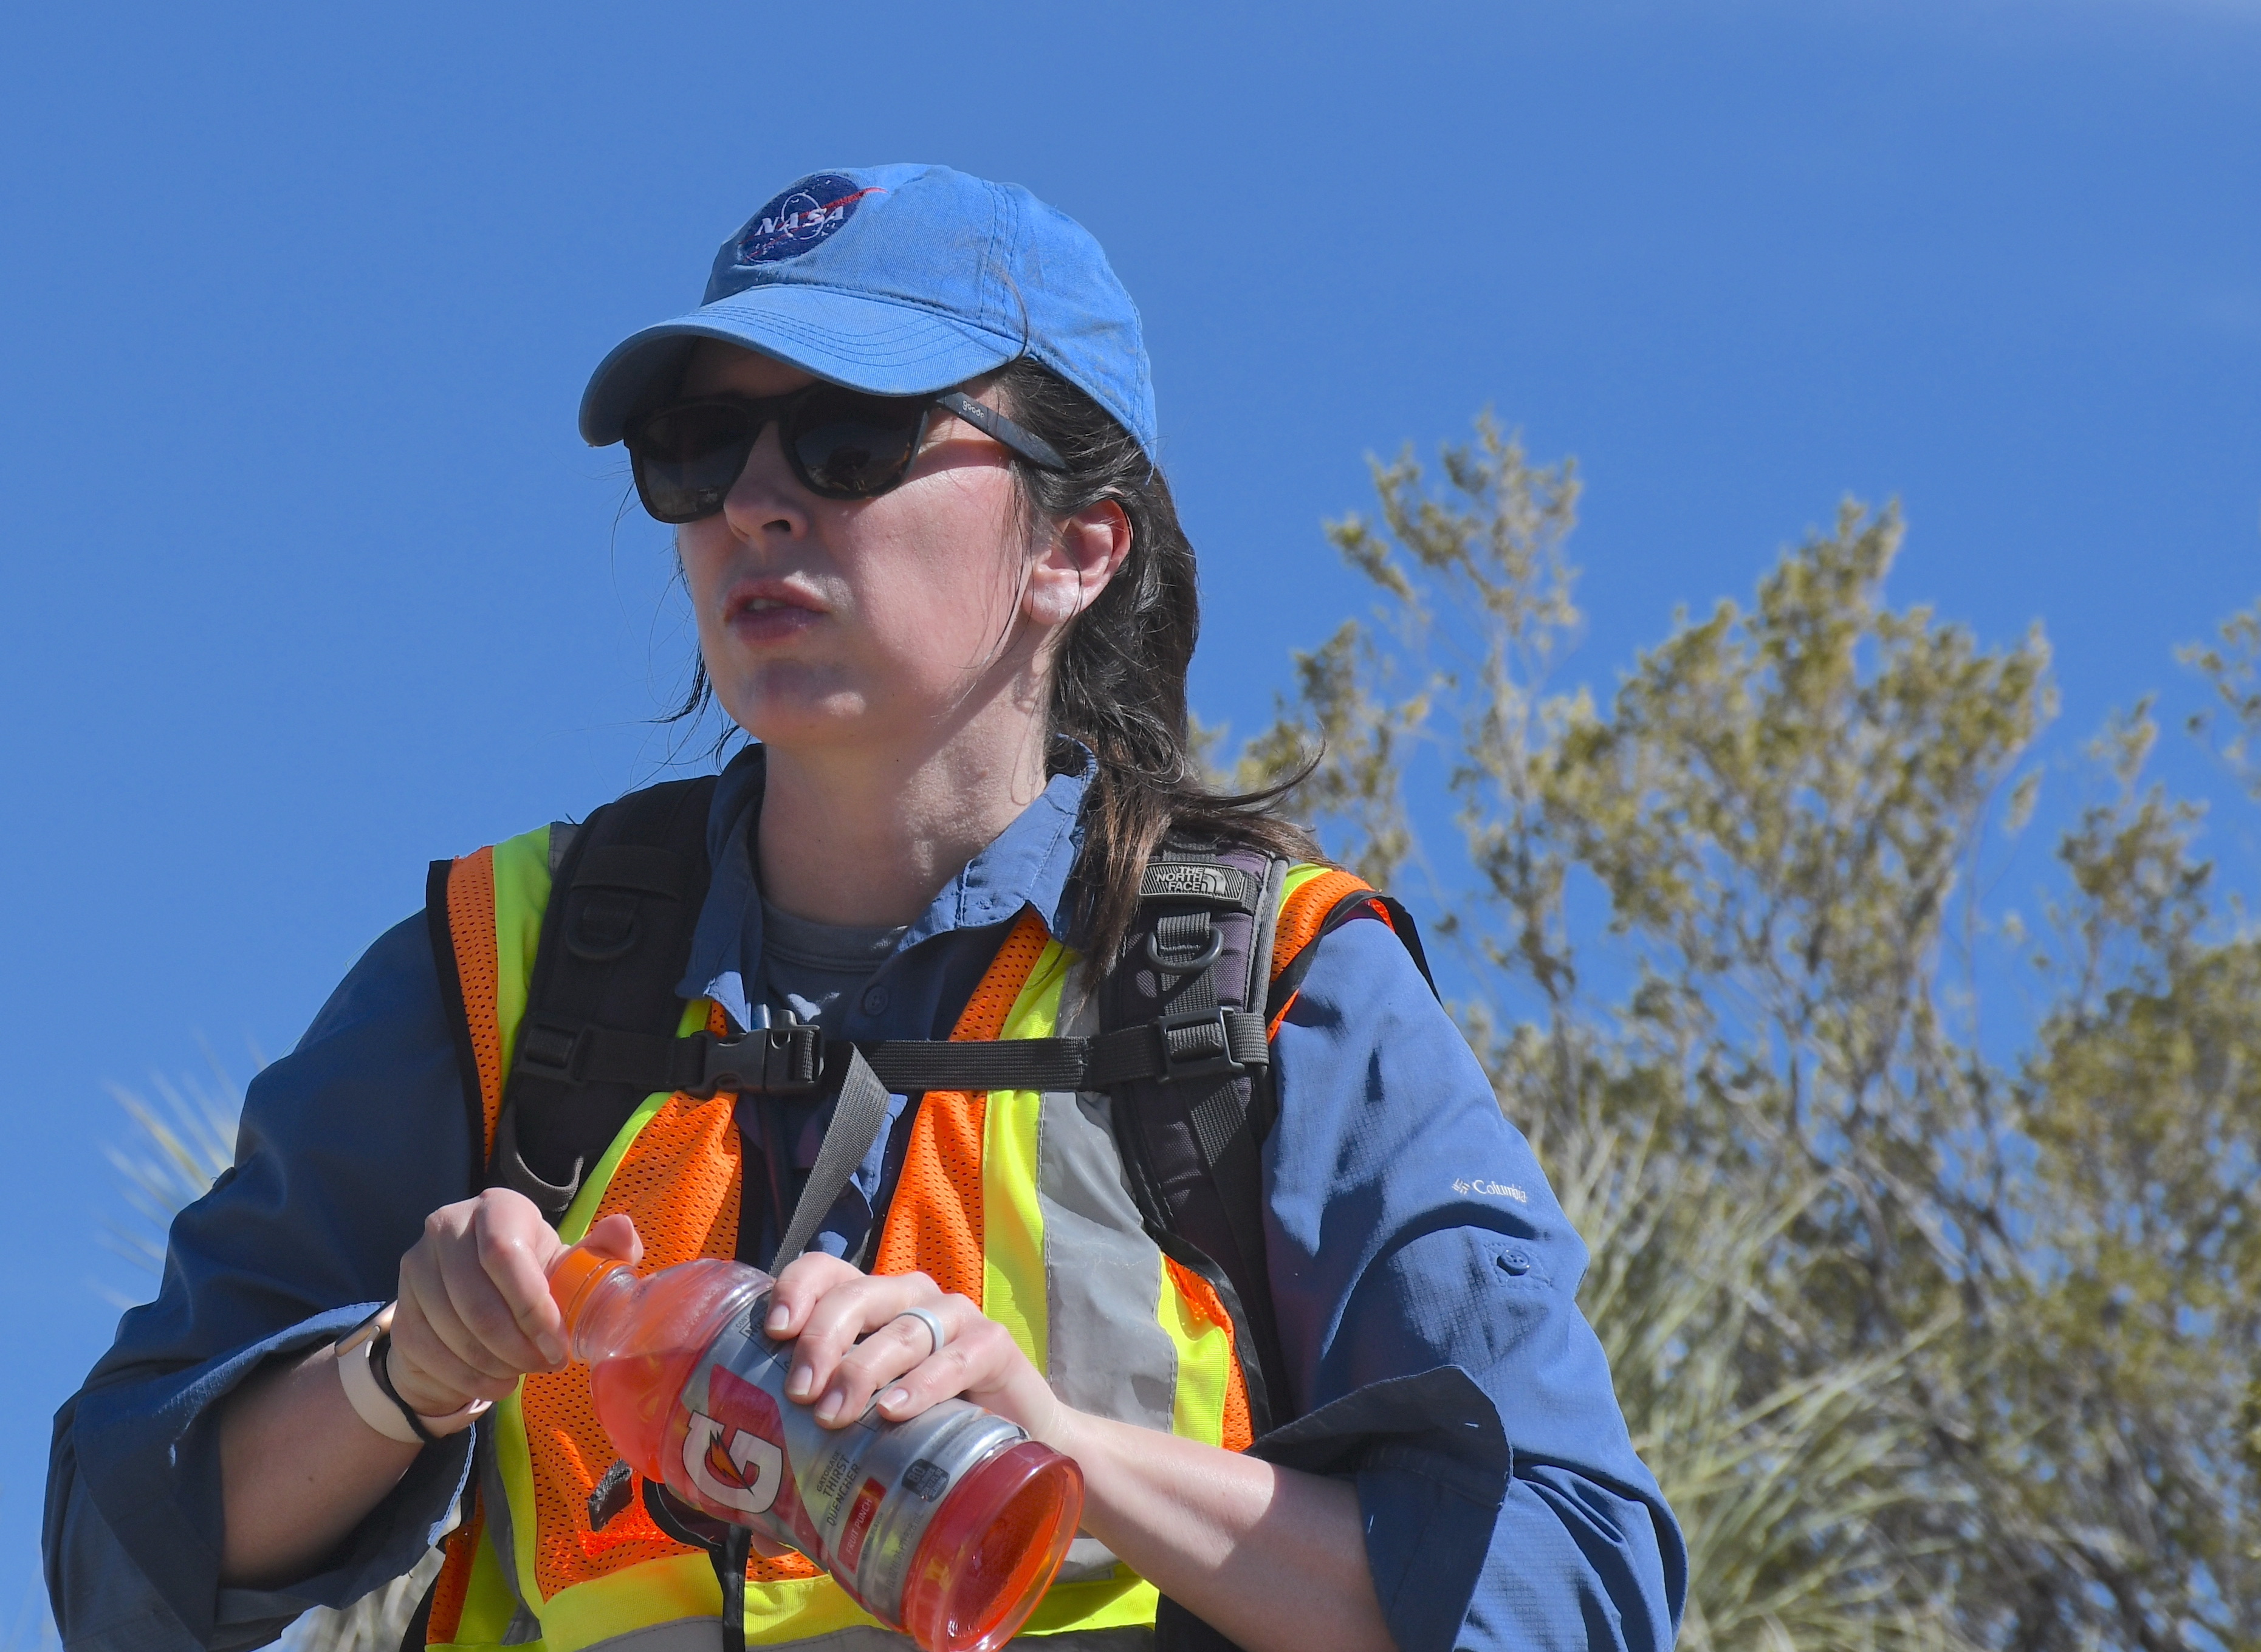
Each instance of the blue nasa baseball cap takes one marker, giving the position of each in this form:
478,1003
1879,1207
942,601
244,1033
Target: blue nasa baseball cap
899,280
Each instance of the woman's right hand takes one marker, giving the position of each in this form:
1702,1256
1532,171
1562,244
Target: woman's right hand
475,1313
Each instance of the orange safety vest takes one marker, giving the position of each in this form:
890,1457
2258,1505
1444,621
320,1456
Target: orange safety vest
1004,1197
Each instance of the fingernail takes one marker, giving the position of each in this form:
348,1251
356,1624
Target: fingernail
552,1350
830,1406
799,1382
780,1320
893,1397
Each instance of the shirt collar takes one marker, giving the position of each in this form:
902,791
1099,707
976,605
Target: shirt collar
1027,865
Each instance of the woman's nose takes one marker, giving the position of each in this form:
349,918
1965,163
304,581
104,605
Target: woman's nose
766,498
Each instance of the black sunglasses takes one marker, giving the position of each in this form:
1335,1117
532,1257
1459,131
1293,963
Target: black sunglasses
841,443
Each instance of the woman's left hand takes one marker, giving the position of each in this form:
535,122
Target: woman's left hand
1273,1558
854,1342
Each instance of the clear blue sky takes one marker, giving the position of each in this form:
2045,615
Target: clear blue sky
307,578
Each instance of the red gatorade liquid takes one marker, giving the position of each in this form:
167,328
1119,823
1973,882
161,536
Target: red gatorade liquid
947,1527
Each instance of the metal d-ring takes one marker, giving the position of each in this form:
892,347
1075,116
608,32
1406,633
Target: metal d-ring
1177,964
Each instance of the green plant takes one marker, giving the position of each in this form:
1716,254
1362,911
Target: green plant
1925,1345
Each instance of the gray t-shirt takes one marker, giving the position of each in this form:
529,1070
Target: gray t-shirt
817,971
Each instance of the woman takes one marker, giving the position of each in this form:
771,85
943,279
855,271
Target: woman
907,440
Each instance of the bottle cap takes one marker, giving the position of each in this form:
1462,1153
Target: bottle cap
571,1275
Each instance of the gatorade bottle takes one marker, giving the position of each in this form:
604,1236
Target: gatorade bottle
947,1527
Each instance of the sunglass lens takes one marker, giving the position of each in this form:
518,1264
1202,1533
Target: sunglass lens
849,445
687,457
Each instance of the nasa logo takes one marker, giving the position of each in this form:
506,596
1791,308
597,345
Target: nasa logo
802,218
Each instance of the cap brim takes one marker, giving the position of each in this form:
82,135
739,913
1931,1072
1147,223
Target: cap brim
890,350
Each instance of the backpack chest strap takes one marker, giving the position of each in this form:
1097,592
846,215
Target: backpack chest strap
1205,1045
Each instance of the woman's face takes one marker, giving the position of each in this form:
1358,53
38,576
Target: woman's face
882,621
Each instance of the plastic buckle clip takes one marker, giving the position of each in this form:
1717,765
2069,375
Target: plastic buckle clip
554,1052
1204,1057
768,1061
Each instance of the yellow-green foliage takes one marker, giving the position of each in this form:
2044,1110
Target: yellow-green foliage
1926,1347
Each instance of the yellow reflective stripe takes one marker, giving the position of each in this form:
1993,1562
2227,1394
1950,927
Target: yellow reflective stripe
656,1591
1204,1358
489,1605
1104,1603
797,1609
515,1462
1012,1226
684,1586
521,885
521,882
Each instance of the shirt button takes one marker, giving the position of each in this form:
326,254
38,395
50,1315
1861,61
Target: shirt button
875,1001
1514,1262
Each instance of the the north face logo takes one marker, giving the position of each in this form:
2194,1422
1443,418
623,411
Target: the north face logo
1169,880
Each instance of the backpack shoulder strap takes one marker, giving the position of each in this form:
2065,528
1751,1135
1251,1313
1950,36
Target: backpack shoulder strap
625,888
1191,968
1219,933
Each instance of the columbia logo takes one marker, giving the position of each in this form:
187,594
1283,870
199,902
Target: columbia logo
1496,1189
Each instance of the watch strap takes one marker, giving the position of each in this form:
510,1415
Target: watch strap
367,1378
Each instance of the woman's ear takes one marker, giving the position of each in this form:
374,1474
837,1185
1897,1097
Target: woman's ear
1085,552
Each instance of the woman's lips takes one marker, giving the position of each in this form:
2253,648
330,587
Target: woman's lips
769,615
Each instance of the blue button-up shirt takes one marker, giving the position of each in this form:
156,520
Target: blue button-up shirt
1423,1274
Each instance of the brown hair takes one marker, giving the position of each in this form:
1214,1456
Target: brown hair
1118,683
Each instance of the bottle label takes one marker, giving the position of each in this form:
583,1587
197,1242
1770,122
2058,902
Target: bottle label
856,1500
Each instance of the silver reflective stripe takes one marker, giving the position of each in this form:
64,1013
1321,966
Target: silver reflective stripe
494,1503
1107,1352
705,1634
685,1635
1267,933
1088,1560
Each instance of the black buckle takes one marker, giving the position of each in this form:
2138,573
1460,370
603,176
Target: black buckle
561,1054
1208,1058
768,1061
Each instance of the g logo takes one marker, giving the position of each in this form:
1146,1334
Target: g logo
743,1476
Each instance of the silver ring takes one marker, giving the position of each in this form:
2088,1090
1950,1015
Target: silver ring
933,1324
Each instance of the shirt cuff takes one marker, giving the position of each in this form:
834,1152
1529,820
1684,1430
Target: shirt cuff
149,1460
1432,1461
